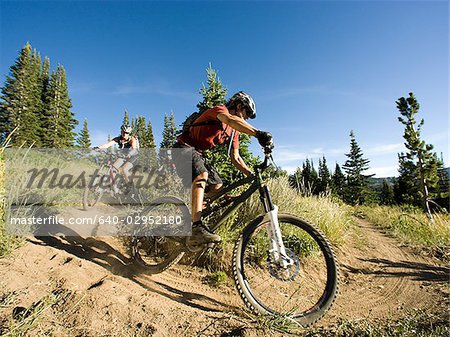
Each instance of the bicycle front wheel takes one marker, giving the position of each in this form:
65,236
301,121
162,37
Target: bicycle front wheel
94,192
304,290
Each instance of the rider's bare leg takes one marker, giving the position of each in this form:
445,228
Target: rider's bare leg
118,168
200,232
198,193
126,171
117,165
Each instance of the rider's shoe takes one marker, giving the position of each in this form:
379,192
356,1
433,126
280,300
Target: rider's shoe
127,188
201,234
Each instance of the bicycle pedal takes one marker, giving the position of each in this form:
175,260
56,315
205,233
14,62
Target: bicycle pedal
193,247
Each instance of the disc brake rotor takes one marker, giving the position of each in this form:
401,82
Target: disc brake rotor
281,273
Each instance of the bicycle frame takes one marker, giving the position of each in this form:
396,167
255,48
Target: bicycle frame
278,250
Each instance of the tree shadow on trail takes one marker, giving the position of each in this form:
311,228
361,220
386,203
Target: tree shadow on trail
415,270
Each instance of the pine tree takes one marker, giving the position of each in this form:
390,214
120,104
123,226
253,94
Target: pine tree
126,118
387,196
213,93
133,125
419,166
84,140
356,191
44,81
338,182
149,138
58,120
443,188
310,178
165,133
324,183
173,129
39,90
169,132
295,179
21,100
305,179
139,130
45,77
150,144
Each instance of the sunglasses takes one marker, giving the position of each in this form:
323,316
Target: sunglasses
249,112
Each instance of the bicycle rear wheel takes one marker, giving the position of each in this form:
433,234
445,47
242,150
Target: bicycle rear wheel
158,253
302,292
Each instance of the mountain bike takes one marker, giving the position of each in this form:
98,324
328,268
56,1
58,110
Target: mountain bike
107,179
282,264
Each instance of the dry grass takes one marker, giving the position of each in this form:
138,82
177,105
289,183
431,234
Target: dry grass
331,216
412,226
7,242
417,323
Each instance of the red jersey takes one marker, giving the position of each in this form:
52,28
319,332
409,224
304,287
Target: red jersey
204,137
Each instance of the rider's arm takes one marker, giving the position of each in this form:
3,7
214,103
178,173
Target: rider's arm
237,161
107,145
237,123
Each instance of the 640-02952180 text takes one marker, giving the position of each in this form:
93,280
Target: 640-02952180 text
100,219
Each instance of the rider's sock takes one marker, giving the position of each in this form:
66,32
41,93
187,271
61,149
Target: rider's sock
197,223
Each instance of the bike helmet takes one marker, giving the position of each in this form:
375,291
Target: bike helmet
248,102
126,128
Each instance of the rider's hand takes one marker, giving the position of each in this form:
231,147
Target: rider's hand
264,138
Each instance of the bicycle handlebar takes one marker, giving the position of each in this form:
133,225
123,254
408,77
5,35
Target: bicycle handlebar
267,156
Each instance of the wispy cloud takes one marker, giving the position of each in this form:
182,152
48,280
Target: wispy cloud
437,137
384,149
288,154
129,89
289,169
383,171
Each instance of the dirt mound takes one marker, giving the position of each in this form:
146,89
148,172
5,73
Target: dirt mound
89,287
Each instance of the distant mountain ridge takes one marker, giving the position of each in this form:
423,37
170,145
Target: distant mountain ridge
378,182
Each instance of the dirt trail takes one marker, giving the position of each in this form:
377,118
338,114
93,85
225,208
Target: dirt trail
107,296
381,278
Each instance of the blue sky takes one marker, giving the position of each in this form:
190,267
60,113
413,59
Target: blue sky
316,69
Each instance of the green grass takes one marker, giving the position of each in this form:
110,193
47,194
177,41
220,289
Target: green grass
412,227
217,278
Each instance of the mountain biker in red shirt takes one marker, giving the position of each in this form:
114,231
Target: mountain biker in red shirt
227,122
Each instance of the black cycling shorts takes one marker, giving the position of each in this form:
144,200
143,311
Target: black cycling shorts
199,166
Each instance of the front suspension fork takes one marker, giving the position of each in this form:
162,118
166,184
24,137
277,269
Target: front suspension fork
277,249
